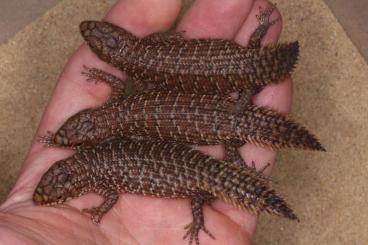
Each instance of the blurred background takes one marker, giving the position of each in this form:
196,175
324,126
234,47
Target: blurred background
327,190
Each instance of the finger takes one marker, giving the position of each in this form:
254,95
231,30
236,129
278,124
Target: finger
214,19
226,19
275,96
220,19
142,17
72,93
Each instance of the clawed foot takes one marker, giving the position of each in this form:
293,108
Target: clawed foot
264,15
262,169
47,139
260,172
91,74
264,24
193,230
95,214
96,75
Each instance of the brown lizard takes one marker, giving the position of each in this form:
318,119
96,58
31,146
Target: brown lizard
158,169
188,118
195,65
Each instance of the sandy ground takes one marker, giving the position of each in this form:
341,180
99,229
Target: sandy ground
327,190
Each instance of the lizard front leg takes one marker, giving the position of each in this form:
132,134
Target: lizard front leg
197,202
118,85
232,155
110,198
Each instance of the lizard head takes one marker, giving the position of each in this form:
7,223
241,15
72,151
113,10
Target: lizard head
56,185
78,130
108,41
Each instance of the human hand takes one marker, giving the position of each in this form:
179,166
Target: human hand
136,219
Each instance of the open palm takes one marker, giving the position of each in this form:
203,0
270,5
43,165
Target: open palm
136,219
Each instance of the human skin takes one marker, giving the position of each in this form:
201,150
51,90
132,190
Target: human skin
136,219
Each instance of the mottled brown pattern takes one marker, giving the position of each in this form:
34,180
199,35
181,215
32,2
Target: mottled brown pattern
158,169
194,65
190,118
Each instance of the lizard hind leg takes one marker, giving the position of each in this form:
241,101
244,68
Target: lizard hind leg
232,155
264,24
197,224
